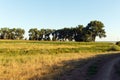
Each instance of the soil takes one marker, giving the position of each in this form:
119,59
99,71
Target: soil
106,71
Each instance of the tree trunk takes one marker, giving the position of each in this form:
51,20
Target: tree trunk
93,38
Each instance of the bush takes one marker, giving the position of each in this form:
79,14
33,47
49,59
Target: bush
118,43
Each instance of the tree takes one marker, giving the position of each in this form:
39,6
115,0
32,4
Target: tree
19,33
79,33
34,34
96,29
7,33
4,33
13,33
47,34
42,34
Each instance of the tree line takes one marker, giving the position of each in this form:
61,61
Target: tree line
14,33
78,33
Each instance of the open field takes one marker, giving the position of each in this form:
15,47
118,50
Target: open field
30,60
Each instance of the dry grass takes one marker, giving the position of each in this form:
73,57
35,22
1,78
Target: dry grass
26,65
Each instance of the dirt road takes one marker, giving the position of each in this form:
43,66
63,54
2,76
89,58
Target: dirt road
107,71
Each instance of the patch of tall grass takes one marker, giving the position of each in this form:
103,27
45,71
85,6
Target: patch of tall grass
21,60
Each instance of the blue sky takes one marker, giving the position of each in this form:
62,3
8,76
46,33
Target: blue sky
58,14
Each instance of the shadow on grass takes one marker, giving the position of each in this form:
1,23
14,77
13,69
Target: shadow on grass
80,69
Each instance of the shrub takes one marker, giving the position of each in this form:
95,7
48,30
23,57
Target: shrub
118,43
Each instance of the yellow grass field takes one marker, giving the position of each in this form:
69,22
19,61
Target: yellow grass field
25,60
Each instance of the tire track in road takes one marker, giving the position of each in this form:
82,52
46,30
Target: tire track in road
105,73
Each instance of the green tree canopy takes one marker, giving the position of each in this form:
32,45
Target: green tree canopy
15,33
96,28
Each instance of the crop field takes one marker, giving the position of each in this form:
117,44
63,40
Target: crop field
43,60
